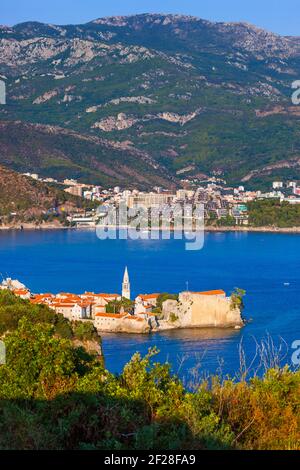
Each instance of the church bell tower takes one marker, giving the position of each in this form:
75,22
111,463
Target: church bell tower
126,285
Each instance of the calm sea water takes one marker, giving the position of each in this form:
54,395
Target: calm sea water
262,264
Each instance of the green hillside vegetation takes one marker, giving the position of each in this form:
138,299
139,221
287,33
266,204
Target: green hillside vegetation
60,153
23,199
55,396
233,80
264,213
274,213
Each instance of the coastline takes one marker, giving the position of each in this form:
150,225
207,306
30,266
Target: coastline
27,227
209,228
246,229
229,328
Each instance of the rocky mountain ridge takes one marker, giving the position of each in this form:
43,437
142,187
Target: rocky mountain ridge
177,90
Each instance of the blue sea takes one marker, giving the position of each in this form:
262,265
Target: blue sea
267,266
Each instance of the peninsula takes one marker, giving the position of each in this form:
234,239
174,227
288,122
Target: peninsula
147,313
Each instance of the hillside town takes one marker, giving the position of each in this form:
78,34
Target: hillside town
221,202
113,312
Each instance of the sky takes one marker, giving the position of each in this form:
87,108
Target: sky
279,16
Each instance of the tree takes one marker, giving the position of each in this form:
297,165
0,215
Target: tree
38,364
237,297
115,306
85,331
163,297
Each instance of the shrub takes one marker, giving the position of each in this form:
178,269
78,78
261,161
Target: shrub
55,396
85,330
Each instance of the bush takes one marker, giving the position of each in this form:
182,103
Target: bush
85,331
55,396
173,318
236,301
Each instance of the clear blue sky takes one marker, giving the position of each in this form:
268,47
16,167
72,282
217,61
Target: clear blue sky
280,16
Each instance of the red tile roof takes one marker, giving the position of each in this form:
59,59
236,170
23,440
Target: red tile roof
212,292
111,315
131,317
21,291
148,296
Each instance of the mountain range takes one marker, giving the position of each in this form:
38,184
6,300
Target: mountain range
150,100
